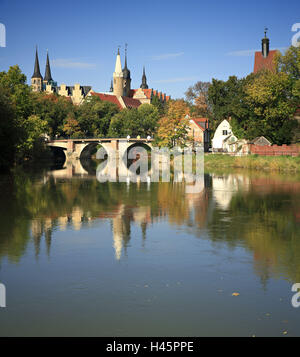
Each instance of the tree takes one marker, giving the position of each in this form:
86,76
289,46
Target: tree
54,109
142,121
71,127
94,116
7,131
173,128
148,116
270,98
197,95
31,141
289,63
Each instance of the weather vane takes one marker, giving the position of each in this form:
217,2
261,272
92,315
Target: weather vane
266,29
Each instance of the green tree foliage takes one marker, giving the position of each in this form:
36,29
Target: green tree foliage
7,130
94,116
53,109
30,143
269,97
142,121
161,107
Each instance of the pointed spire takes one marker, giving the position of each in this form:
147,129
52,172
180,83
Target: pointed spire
118,67
144,84
37,72
47,77
111,89
126,72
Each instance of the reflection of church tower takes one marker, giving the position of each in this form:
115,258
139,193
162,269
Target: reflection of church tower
121,232
144,84
37,231
126,77
36,78
118,77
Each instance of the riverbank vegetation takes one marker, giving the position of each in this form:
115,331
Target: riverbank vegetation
253,162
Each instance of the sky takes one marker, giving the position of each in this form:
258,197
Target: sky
178,42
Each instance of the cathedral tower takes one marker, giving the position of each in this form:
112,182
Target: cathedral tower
118,77
47,79
144,84
126,77
36,78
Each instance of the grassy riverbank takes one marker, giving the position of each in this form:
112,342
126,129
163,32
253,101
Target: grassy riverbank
255,162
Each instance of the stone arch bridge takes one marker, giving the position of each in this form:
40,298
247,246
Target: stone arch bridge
80,148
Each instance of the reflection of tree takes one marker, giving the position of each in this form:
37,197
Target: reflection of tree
262,218
265,224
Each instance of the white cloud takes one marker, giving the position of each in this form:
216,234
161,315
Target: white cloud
175,80
71,63
251,52
167,56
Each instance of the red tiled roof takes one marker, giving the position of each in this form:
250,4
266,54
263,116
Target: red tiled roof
131,103
108,98
264,63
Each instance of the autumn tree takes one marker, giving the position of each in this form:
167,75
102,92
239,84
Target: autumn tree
197,95
71,127
173,128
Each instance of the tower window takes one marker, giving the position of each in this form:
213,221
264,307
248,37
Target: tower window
224,132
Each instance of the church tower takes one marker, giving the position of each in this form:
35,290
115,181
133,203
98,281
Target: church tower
36,78
47,78
126,77
265,43
118,77
144,84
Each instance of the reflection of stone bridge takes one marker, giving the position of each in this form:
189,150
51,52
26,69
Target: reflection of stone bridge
80,148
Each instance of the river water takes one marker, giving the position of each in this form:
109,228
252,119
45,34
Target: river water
84,258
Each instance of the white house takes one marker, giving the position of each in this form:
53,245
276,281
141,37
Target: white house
223,137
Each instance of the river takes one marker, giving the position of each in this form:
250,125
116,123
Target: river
84,258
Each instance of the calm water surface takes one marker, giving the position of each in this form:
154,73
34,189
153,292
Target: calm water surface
83,258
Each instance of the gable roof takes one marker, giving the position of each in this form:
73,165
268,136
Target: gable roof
260,62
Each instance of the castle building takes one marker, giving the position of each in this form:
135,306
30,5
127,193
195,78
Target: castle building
120,92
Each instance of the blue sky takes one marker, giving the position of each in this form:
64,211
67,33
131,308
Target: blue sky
179,42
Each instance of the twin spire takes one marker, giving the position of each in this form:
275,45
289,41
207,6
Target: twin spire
37,72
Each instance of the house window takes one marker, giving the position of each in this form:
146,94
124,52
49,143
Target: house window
224,132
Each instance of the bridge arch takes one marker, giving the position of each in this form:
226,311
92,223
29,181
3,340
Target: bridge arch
58,153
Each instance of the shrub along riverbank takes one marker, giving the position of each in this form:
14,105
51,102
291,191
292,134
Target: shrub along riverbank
272,163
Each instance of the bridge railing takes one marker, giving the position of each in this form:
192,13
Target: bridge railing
95,138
